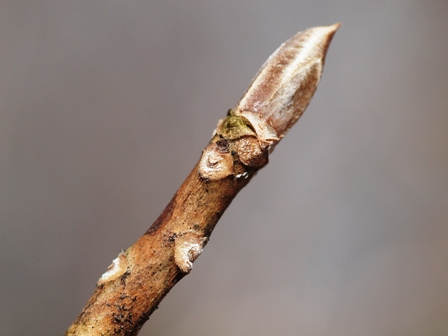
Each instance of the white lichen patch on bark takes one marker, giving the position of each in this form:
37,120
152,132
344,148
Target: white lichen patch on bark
187,248
115,270
245,175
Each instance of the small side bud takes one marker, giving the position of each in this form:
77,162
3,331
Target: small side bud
251,153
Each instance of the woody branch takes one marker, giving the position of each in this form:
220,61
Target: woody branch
140,277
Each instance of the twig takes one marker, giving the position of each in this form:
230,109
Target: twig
139,278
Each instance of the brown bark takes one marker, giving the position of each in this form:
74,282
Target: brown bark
141,276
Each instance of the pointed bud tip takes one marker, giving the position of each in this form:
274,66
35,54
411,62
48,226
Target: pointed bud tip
335,26
329,31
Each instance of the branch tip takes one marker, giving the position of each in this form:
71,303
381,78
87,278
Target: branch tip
284,86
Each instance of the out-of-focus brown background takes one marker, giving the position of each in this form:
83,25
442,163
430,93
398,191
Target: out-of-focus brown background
105,107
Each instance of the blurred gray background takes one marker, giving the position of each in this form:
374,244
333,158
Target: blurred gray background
105,107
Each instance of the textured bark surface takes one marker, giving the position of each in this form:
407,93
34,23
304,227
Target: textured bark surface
141,276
